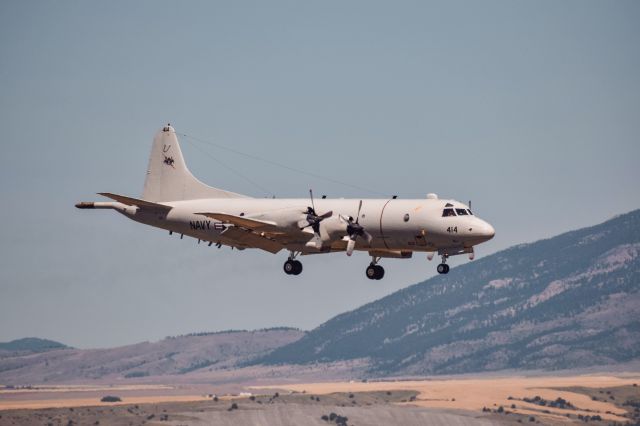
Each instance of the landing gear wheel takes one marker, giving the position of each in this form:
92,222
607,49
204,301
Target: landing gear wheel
375,272
443,268
371,272
379,272
297,267
289,267
292,267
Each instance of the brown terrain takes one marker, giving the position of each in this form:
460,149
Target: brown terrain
600,399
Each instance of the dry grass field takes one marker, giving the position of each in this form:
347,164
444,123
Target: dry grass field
600,399
478,394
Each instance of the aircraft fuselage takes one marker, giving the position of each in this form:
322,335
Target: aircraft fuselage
394,224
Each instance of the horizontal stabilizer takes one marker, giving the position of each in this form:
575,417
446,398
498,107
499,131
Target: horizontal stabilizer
135,202
244,222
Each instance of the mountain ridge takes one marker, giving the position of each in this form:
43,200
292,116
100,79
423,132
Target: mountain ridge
173,355
31,344
548,304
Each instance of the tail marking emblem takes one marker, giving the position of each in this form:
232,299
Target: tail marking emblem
168,161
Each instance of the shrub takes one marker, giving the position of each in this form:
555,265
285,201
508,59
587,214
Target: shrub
135,374
110,398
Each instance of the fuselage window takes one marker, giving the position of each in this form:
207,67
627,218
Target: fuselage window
448,212
461,212
469,210
406,217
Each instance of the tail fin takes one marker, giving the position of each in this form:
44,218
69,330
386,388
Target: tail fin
168,178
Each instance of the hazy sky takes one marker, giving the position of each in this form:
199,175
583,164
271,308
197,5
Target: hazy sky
529,109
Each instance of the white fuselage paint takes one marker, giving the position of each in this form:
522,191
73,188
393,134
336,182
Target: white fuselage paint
426,230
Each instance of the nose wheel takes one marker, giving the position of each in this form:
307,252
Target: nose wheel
374,272
443,268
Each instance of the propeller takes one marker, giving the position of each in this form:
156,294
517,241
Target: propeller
355,230
313,219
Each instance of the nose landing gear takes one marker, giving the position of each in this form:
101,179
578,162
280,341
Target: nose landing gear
443,268
292,266
374,271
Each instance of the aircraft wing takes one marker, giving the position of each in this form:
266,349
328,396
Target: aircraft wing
249,238
250,232
134,201
245,222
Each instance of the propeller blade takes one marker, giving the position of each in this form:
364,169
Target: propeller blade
367,236
358,215
312,205
326,215
350,246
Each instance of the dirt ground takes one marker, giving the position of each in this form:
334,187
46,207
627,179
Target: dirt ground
456,401
478,394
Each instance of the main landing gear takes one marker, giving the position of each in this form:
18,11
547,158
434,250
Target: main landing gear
443,268
374,271
292,266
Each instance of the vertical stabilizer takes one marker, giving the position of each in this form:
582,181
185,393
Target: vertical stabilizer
168,178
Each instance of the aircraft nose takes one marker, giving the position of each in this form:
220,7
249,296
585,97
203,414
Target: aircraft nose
487,231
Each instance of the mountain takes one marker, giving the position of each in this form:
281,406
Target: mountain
173,355
29,344
564,302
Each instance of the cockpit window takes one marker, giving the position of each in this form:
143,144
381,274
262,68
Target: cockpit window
461,212
448,212
469,210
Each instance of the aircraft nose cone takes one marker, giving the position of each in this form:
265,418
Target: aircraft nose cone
487,231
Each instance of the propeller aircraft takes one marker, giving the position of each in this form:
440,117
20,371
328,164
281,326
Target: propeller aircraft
174,200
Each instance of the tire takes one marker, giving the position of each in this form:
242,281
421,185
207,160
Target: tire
442,268
371,272
297,267
446,268
379,272
289,267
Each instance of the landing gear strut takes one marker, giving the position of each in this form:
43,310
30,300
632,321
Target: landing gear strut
292,266
443,268
374,271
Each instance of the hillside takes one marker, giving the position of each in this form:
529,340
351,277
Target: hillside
173,355
565,302
29,345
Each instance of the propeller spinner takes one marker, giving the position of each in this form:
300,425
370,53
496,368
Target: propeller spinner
313,219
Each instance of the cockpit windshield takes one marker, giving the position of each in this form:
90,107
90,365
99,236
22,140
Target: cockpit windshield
469,210
461,212
448,212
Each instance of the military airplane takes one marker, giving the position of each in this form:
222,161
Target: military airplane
174,200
